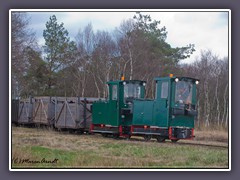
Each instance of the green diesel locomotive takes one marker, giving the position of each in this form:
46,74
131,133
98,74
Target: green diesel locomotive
127,113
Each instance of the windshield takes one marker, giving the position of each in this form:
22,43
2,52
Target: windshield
132,91
183,92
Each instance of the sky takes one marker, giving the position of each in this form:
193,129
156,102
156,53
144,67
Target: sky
207,30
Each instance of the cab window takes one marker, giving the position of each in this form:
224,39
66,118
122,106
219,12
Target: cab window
183,92
164,90
131,91
114,92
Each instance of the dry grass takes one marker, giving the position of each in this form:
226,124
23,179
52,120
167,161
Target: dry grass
93,151
212,135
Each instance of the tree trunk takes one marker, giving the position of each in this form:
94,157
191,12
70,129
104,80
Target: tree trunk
217,99
225,105
199,112
207,105
95,82
131,61
226,119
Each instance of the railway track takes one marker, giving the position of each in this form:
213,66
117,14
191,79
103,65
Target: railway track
224,145
202,145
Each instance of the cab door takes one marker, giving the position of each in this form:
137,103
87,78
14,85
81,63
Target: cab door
162,103
113,106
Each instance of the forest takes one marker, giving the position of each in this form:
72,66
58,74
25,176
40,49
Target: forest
137,48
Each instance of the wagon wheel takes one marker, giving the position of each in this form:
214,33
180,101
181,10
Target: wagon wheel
71,131
160,139
80,132
174,140
147,137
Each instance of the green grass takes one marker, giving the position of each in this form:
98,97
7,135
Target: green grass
174,155
85,151
124,155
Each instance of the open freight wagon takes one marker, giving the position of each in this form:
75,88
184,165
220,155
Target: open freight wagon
62,113
73,113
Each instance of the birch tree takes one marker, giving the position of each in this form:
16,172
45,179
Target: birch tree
85,45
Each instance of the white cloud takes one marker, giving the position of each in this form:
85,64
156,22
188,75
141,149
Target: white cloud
207,30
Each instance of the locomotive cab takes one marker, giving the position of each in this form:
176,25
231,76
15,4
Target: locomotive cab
170,115
179,95
114,115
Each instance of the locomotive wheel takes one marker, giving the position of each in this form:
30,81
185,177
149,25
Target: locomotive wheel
104,134
147,137
115,136
174,140
160,139
128,137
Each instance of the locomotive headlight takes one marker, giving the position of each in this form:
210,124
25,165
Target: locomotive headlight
197,82
176,80
124,83
144,84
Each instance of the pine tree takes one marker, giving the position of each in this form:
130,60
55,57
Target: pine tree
156,37
59,50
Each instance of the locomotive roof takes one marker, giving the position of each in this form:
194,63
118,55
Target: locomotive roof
127,81
179,77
